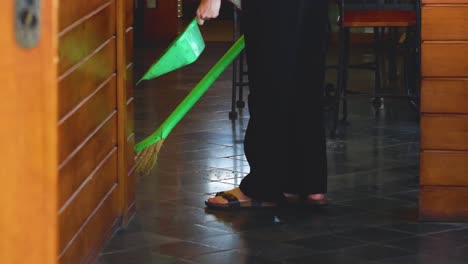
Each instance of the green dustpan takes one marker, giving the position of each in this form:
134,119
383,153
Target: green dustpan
185,49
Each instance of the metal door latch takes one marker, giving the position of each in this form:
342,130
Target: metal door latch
27,22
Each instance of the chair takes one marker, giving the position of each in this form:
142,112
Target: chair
384,16
239,71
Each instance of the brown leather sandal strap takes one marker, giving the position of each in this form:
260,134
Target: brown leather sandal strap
229,197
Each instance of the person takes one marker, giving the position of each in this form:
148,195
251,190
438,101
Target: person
285,142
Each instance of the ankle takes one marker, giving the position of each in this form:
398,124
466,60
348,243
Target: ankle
316,196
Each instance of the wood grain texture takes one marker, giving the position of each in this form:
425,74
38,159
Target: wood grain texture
443,203
444,132
76,85
129,19
71,11
160,24
83,38
444,168
444,95
379,18
28,110
129,46
444,1
444,59
130,126
75,171
94,232
130,156
83,123
444,23
130,81
87,198
122,63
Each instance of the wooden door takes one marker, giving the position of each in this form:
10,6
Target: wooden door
444,121
28,133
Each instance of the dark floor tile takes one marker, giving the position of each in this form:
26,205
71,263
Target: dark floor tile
231,256
184,249
374,252
140,256
124,241
421,228
454,237
325,243
185,230
386,206
422,259
325,258
227,242
373,234
425,245
274,251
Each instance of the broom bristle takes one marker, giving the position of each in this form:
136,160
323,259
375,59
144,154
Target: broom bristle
147,158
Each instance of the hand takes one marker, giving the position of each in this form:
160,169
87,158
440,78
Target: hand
208,9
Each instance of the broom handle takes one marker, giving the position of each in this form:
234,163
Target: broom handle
188,102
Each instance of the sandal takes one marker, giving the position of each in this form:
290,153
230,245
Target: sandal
234,203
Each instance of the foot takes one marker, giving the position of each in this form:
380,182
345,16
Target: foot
236,192
318,198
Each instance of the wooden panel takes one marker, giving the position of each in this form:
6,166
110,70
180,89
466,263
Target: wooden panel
444,132
129,13
129,82
160,24
28,110
444,95
81,40
444,23
75,171
79,126
444,59
75,212
130,126
444,168
447,203
444,1
95,231
129,46
71,10
85,79
132,181
130,153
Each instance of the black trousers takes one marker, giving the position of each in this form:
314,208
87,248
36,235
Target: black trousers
285,142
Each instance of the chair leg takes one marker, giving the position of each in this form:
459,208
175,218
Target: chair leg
392,54
378,82
345,73
233,113
340,82
240,102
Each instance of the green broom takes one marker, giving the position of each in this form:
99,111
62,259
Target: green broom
148,149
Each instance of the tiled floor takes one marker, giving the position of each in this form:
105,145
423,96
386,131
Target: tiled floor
373,182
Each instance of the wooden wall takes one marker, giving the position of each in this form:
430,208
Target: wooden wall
92,123
444,106
28,134
160,23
